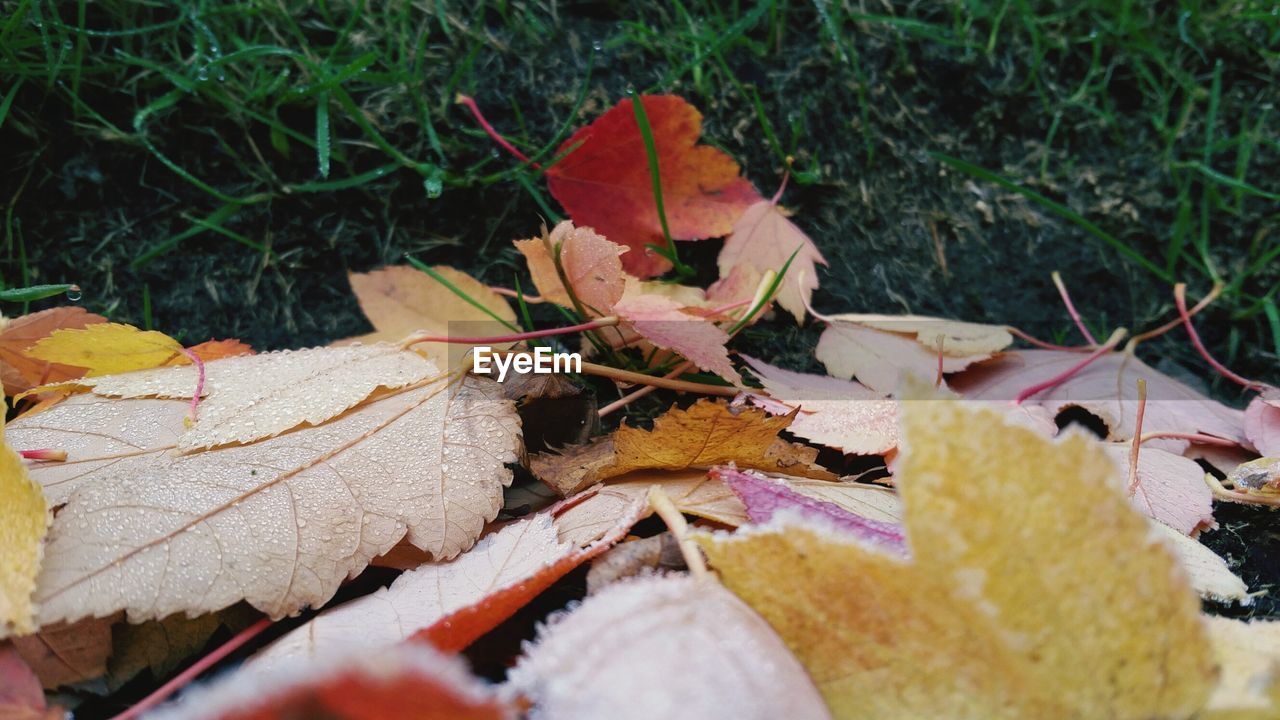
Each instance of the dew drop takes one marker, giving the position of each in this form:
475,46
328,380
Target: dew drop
203,74
74,294
597,45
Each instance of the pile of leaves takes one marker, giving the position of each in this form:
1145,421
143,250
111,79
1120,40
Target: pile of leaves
157,498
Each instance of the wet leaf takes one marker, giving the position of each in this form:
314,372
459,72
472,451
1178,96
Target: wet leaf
765,239
20,371
24,520
68,653
590,263
665,323
1170,488
106,348
691,649
605,184
215,350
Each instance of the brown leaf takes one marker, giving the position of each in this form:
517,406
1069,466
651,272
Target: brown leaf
68,653
21,372
279,522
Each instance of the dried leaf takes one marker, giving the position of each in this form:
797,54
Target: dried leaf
280,522
692,650
400,300
215,350
1249,655
160,646
641,556
953,338
20,371
701,436
24,520
1207,571
1034,590
1170,488
764,239
837,413
878,358
68,653
1107,388
590,264
452,603
604,181
107,348
1262,426
663,322
403,682
1262,474
257,396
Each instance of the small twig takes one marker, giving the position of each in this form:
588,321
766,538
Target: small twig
937,381
484,124
1137,437
637,394
515,337
195,397
1066,375
1172,324
530,299
635,378
1071,308
201,665
1222,493
1046,345
1180,299
671,515
1200,438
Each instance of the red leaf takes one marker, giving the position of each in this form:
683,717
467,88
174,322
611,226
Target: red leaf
605,183
22,372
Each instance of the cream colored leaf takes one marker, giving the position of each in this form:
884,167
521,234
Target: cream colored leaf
1248,654
878,358
251,397
280,522
1207,571
956,338
764,239
24,520
663,647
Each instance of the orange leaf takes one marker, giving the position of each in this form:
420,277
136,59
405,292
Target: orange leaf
662,322
605,182
590,264
20,371
216,350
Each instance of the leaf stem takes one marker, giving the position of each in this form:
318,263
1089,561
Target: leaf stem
679,527
627,376
1071,308
1066,375
49,454
515,337
1180,299
631,397
490,131
195,396
1045,345
1137,437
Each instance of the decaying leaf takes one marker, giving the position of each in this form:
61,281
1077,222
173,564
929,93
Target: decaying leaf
1034,589
24,520
878,358
1207,572
1262,426
1262,474
604,181
68,653
279,522
453,602
1107,388
400,300
590,263
106,348
664,323
702,436
1170,488
402,682
837,413
160,646
663,647
258,396
21,372
953,338
640,556
765,239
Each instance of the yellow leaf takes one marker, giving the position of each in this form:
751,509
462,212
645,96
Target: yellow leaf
24,518
1249,655
1033,589
107,348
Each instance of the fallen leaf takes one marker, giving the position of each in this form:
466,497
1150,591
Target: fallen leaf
590,265
21,697
160,646
24,520
641,556
280,522
1262,474
764,238
878,358
1262,426
257,396
701,436
1249,655
1034,589
402,682
452,603
692,650
837,413
1170,488
68,653
21,372
1107,388
663,322
215,350
604,181
400,300
953,338
1207,572
106,348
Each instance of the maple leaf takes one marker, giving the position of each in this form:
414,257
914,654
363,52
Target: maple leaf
452,603
400,300
404,682
1033,589
68,653
604,181
879,349
664,323
238,406
1170,488
765,239
24,520
280,522
837,413
692,650
1107,388
701,436
20,371
590,264
1262,426
106,348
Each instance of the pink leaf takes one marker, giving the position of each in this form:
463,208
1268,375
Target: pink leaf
764,239
661,321
1262,426
1170,488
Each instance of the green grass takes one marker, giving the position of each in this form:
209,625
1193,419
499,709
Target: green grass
259,103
